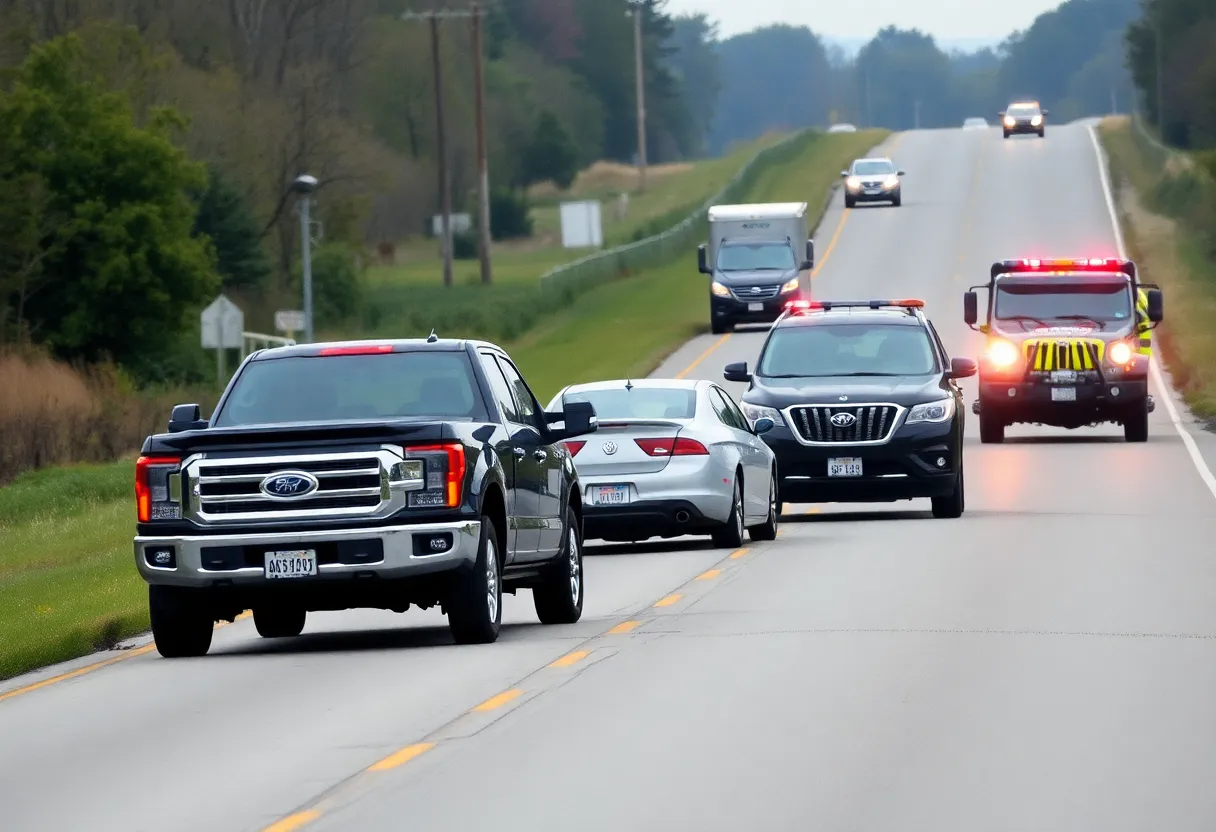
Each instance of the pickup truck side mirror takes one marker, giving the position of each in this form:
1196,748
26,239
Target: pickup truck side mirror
186,417
737,372
702,262
962,367
1156,309
1044,112
579,419
810,254
971,308
1001,114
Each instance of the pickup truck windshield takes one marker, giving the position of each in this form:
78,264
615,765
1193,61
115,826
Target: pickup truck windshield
847,350
747,257
344,388
1101,301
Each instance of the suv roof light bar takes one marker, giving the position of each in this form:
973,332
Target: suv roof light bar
1068,264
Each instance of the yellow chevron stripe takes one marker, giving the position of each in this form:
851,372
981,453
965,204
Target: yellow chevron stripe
1076,354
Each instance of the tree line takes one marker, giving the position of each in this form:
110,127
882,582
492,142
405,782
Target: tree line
1172,54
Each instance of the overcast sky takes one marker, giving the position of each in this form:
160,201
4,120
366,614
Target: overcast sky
944,19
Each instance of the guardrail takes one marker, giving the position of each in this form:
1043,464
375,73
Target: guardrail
682,238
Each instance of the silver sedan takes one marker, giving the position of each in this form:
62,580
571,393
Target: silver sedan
672,458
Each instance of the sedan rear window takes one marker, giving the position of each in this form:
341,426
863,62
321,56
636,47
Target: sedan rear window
847,350
638,403
342,388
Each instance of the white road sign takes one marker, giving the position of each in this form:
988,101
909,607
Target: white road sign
223,322
289,320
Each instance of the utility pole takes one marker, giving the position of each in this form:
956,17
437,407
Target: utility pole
916,117
304,185
640,80
483,173
476,12
1160,86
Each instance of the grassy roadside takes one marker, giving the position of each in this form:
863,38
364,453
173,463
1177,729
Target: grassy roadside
67,582
1166,210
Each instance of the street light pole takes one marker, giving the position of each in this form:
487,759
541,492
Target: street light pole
304,186
640,81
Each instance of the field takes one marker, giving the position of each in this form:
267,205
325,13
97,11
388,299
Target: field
1168,213
67,581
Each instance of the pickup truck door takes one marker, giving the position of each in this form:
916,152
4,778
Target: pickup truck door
544,464
522,535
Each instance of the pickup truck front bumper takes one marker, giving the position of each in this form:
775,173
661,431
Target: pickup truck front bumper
238,559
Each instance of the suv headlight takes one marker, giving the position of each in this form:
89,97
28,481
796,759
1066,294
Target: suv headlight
790,286
755,413
939,411
719,290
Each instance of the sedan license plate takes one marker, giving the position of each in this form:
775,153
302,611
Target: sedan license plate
755,307
872,191
1063,394
300,563
611,495
844,466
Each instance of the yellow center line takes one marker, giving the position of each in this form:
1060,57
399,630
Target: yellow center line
81,671
571,658
499,700
705,576
402,757
669,600
703,356
844,218
738,553
623,627
292,822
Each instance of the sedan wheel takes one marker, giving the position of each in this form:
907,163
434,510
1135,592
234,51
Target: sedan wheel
768,529
730,536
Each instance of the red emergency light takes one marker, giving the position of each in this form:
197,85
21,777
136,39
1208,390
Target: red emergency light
825,305
1064,265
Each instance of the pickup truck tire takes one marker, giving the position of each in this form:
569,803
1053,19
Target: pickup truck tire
181,626
279,622
559,598
730,535
475,607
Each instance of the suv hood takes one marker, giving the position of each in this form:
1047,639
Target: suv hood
781,393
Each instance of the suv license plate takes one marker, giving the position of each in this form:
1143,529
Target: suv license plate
755,307
299,563
844,466
1063,394
611,495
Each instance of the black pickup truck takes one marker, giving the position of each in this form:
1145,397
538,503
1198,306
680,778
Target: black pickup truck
361,474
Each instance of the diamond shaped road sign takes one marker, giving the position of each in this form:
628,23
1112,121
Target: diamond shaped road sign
223,322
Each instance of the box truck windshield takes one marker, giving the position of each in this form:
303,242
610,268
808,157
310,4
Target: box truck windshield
747,257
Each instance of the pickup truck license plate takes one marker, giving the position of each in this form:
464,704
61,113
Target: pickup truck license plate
1063,394
755,307
1063,376
610,495
299,563
844,466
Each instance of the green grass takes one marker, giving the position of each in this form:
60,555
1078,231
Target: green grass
68,584
1165,222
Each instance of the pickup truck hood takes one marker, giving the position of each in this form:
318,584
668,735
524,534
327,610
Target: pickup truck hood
290,435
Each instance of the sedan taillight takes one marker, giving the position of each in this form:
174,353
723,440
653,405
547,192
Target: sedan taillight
681,446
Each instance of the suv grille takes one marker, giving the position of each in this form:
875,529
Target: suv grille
746,293
229,490
850,423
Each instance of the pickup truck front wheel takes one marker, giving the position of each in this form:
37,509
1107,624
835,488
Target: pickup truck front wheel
559,599
475,607
181,625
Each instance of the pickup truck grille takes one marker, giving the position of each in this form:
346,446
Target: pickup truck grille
230,490
851,424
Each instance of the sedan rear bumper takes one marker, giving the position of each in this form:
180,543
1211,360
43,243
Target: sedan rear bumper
642,520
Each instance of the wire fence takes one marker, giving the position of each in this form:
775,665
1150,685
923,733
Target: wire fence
682,238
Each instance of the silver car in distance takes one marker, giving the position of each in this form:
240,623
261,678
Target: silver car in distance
672,458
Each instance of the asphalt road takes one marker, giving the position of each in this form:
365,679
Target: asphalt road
1045,662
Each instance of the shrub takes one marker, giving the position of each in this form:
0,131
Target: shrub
464,245
509,214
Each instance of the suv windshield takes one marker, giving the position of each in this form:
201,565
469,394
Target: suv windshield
1102,301
747,257
401,385
847,350
638,403
873,168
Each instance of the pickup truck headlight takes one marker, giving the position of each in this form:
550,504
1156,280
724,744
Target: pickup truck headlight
1120,353
938,411
444,467
158,488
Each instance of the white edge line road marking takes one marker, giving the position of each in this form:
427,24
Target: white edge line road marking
1189,441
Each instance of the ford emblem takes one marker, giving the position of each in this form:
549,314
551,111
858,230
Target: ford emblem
843,420
288,485
610,448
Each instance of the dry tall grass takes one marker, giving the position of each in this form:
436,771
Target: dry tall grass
52,413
